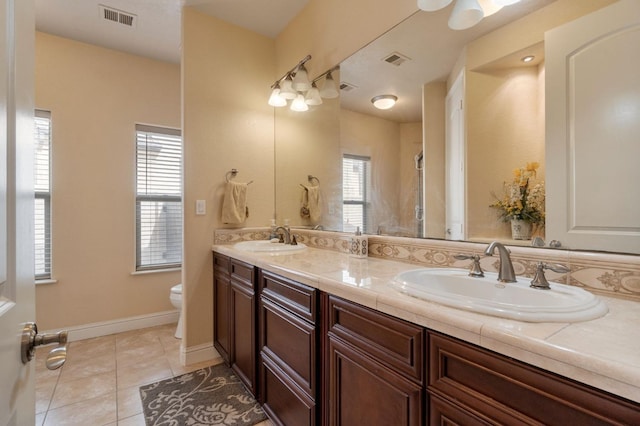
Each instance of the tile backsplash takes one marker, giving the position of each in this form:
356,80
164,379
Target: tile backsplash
608,274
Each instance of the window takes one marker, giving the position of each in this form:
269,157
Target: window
158,198
42,186
356,178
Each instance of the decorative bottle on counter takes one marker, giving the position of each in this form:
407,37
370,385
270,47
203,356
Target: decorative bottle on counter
359,246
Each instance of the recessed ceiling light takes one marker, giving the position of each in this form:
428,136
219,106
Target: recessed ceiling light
528,58
384,101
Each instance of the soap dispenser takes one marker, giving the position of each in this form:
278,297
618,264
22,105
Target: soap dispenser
359,246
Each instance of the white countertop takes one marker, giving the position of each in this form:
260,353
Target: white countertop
604,353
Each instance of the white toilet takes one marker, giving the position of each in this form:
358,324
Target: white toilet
176,300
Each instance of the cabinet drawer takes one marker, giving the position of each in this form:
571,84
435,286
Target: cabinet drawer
221,263
290,342
509,391
298,298
282,400
394,342
242,272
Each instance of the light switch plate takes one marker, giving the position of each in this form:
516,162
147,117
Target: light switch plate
201,207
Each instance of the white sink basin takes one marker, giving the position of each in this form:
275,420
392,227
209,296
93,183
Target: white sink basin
453,287
268,246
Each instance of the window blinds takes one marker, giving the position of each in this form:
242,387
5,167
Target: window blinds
355,188
42,186
158,198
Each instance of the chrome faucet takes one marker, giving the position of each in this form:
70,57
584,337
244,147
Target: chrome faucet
506,273
285,232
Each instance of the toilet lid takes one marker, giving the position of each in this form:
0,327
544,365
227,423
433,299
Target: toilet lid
177,289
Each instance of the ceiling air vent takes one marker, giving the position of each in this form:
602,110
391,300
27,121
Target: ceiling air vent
396,59
117,16
347,87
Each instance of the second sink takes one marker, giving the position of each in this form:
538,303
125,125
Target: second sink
453,287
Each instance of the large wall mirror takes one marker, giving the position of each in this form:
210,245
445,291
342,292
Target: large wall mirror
469,113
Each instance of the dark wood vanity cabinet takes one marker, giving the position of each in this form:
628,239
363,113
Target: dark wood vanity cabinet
471,385
235,322
312,358
289,363
375,367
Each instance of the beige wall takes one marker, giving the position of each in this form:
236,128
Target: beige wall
227,123
378,139
96,96
505,131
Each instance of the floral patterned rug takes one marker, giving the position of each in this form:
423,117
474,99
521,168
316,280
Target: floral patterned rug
210,396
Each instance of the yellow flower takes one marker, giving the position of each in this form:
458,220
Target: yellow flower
517,173
532,167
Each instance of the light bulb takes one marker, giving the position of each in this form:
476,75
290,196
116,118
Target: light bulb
275,99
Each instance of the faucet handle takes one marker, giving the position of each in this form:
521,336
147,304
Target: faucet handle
539,280
475,270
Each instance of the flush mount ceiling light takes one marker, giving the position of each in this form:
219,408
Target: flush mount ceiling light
465,13
528,58
384,101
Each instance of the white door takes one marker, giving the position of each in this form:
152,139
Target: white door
455,165
17,302
593,123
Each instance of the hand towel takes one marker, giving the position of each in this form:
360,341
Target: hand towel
234,204
311,203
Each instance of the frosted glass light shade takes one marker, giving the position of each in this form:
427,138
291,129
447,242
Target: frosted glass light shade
299,104
301,80
384,101
330,88
433,5
275,99
286,90
505,2
313,96
465,14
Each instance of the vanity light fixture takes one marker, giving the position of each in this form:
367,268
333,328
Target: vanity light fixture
465,13
294,85
384,101
528,58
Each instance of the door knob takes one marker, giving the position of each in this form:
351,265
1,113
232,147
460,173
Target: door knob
31,339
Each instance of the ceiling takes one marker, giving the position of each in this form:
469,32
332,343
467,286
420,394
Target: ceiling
431,49
155,32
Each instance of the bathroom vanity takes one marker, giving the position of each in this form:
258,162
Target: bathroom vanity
332,343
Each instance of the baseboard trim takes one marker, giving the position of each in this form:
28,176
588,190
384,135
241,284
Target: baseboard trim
199,353
104,328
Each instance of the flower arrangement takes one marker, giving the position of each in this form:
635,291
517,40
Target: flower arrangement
523,199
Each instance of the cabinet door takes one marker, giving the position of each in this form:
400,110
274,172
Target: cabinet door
221,301
363,392
243,334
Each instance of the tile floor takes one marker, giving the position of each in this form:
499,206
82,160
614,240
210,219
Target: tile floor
98,385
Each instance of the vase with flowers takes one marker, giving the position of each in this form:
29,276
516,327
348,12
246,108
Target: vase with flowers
522,202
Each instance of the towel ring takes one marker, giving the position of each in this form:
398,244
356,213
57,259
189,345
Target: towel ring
311,178
233,173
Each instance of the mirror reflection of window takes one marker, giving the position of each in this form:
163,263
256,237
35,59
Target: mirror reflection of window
356,181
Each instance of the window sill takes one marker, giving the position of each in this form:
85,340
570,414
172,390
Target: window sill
156,271
48,281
